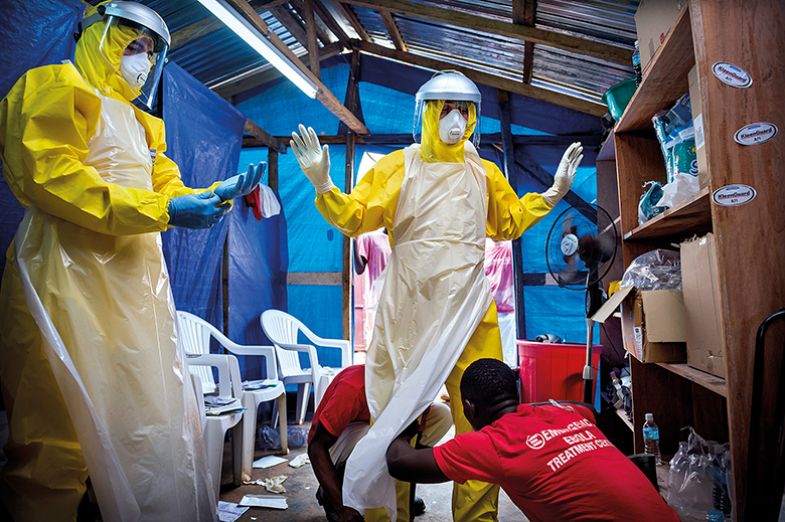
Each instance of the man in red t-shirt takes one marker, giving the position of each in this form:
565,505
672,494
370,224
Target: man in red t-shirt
339,422
552,461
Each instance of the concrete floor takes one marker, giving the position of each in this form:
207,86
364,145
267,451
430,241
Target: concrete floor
301,487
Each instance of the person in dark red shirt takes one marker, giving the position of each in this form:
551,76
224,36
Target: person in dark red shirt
552,461
339,422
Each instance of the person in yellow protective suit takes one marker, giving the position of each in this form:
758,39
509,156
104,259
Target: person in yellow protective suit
90,370
438,199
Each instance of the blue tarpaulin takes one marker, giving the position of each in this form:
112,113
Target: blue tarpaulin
205,138
31,34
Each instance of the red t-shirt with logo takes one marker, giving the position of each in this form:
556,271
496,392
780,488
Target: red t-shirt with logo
343,402
555,465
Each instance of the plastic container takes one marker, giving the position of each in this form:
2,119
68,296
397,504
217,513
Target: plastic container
618,96
554,371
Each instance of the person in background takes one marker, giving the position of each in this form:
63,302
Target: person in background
371,252
552,461
341,420
86,308
498,270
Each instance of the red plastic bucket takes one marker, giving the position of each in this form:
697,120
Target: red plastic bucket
554,371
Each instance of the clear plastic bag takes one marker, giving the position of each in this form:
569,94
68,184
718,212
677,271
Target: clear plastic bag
655,270
684,187
269,438
698,478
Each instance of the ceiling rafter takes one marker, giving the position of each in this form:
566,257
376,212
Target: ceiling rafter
507,84
536,35
323,94
394,32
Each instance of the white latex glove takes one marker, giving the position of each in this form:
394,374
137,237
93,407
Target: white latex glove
314,159
565,175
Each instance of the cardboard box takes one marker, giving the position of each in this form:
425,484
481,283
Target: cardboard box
653,20
653,323
696,102
705,343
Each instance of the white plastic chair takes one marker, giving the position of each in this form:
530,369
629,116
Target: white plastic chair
195,334
282,329
215,427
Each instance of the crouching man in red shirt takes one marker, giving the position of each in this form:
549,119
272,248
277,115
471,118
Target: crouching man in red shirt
339,422
550,459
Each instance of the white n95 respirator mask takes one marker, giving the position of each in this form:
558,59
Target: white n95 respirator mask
134,69
452,127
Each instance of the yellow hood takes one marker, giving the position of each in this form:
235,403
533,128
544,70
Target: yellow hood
432,148
101,67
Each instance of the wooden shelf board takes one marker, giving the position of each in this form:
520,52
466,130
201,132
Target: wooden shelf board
701,378
665,78
693,215
608,149
623,416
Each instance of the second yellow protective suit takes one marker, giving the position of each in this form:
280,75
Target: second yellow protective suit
436,316
88,359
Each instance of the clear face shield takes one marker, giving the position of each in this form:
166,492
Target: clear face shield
142,56
450,112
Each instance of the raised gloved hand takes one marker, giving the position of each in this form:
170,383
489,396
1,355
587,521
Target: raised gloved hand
241,184
196,210
314,159
562,181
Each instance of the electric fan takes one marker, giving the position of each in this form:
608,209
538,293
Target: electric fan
579,251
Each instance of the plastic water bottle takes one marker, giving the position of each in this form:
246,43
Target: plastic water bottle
651,438
636,63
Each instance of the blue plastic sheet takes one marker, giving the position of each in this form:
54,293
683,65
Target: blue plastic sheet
31,34
205,138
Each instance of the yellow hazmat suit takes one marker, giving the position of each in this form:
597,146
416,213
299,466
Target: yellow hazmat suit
374,203
91,170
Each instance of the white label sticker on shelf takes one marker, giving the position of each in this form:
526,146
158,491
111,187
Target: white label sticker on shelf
637,333
698,124
755,133
732,75
734,195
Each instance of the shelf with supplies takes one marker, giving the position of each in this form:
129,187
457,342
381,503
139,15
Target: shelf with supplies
735,78
692,216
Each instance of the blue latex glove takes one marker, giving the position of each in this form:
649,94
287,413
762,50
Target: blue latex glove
241,184
196,210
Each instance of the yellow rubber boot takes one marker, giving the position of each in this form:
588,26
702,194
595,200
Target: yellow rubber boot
402,500
45,476
474,500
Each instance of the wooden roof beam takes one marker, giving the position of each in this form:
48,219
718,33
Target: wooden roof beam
331,23
523,13
291,24
564,100
262,137
313,45
304,12
323,94
394,32
549,37
348,13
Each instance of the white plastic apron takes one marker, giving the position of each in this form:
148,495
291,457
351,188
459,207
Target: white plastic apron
434,296
106,315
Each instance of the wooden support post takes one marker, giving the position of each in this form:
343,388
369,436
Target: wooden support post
299,8
517,244
313,45
523,13
272,169
323,94
352,102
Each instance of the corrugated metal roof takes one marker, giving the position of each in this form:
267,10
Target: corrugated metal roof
486,52
217,55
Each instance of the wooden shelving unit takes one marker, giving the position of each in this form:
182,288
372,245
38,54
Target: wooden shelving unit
751,281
